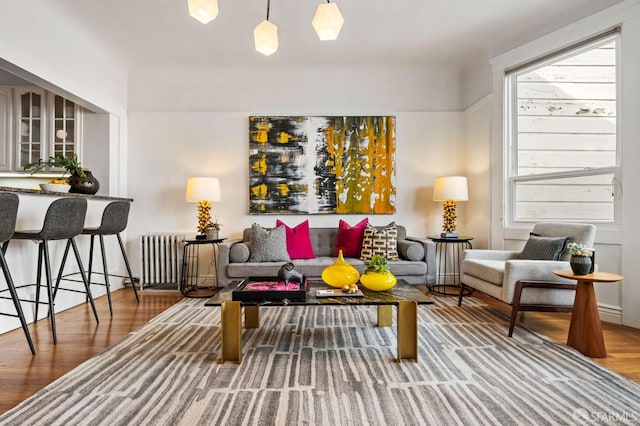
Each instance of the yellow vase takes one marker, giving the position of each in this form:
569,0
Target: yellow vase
340,273
378,281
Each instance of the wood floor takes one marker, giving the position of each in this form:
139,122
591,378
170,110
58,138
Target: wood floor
80,338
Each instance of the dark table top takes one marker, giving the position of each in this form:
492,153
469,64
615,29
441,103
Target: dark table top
401,291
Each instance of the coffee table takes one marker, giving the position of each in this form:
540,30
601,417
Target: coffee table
403,295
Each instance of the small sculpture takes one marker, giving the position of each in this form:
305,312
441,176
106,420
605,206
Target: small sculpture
287,273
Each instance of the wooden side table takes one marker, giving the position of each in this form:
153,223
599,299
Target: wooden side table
585,330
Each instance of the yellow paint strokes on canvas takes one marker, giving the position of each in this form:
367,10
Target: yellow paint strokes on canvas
284,137
260,165
354,185
259,191
383,178
284,189
261,133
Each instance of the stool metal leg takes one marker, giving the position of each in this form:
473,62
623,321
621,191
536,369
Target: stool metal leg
84,277
126,262
71,242
16,300
38,280
105,269
47,271
64,262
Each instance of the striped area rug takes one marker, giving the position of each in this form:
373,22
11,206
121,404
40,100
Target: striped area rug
332,366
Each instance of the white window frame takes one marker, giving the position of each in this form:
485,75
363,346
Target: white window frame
510,112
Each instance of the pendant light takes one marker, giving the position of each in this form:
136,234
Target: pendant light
204,11
327,21
265,35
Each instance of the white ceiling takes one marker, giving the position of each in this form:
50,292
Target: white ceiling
160,32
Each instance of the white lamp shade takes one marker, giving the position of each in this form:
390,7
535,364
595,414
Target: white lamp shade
204,11
203,189
327,21
265,36
452,188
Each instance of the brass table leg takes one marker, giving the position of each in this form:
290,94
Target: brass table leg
385,313
231,325
251,317
407,330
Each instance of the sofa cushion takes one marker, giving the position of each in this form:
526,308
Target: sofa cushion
543,248
382,241
350,238
410,250
239,253
268,245
298,240
487,270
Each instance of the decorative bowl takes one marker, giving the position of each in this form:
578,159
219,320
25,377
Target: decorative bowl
55,187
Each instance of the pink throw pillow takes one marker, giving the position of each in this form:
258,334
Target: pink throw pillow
298,240
350,238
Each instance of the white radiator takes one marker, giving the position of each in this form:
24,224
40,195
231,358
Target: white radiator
160,259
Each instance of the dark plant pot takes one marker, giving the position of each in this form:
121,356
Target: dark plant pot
580,265
87,185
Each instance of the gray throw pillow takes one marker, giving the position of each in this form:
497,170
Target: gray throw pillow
410,250
268,245
543,248
239,253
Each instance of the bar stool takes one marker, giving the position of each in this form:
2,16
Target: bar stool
114,220
8,215
63,221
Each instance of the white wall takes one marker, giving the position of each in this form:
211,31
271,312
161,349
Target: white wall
37,36
195,122
617,302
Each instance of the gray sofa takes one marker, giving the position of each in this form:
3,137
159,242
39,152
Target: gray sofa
417,264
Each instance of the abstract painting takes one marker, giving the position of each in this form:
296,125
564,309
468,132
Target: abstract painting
322,165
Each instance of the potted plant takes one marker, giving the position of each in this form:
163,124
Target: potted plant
212,229
581,258
81,180
377,276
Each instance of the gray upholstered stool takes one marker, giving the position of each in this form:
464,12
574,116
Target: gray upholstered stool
63,221
114,220
8,214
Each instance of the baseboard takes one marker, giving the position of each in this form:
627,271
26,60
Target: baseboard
610,313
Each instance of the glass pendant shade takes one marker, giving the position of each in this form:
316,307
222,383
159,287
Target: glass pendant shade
204,11
265,36
327,21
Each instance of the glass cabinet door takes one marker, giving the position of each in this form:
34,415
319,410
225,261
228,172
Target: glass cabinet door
64,127
30,126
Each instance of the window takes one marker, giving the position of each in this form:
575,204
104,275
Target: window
562,143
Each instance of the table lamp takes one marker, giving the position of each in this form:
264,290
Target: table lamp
450,189
203,190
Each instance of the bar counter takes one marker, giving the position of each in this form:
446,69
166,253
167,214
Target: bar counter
61,194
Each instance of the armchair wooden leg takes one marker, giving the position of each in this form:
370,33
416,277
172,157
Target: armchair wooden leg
462,286
515,307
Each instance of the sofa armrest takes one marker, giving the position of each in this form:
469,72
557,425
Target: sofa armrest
539,270
429,257
491,254
224,249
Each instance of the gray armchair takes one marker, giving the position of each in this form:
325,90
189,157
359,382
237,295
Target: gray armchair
525,284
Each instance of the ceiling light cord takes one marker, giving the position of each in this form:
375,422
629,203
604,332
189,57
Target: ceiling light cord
269,7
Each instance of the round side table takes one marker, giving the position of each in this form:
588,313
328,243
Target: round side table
191,265
449,253
585,329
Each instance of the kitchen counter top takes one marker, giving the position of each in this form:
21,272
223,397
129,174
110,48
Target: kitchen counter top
61,194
